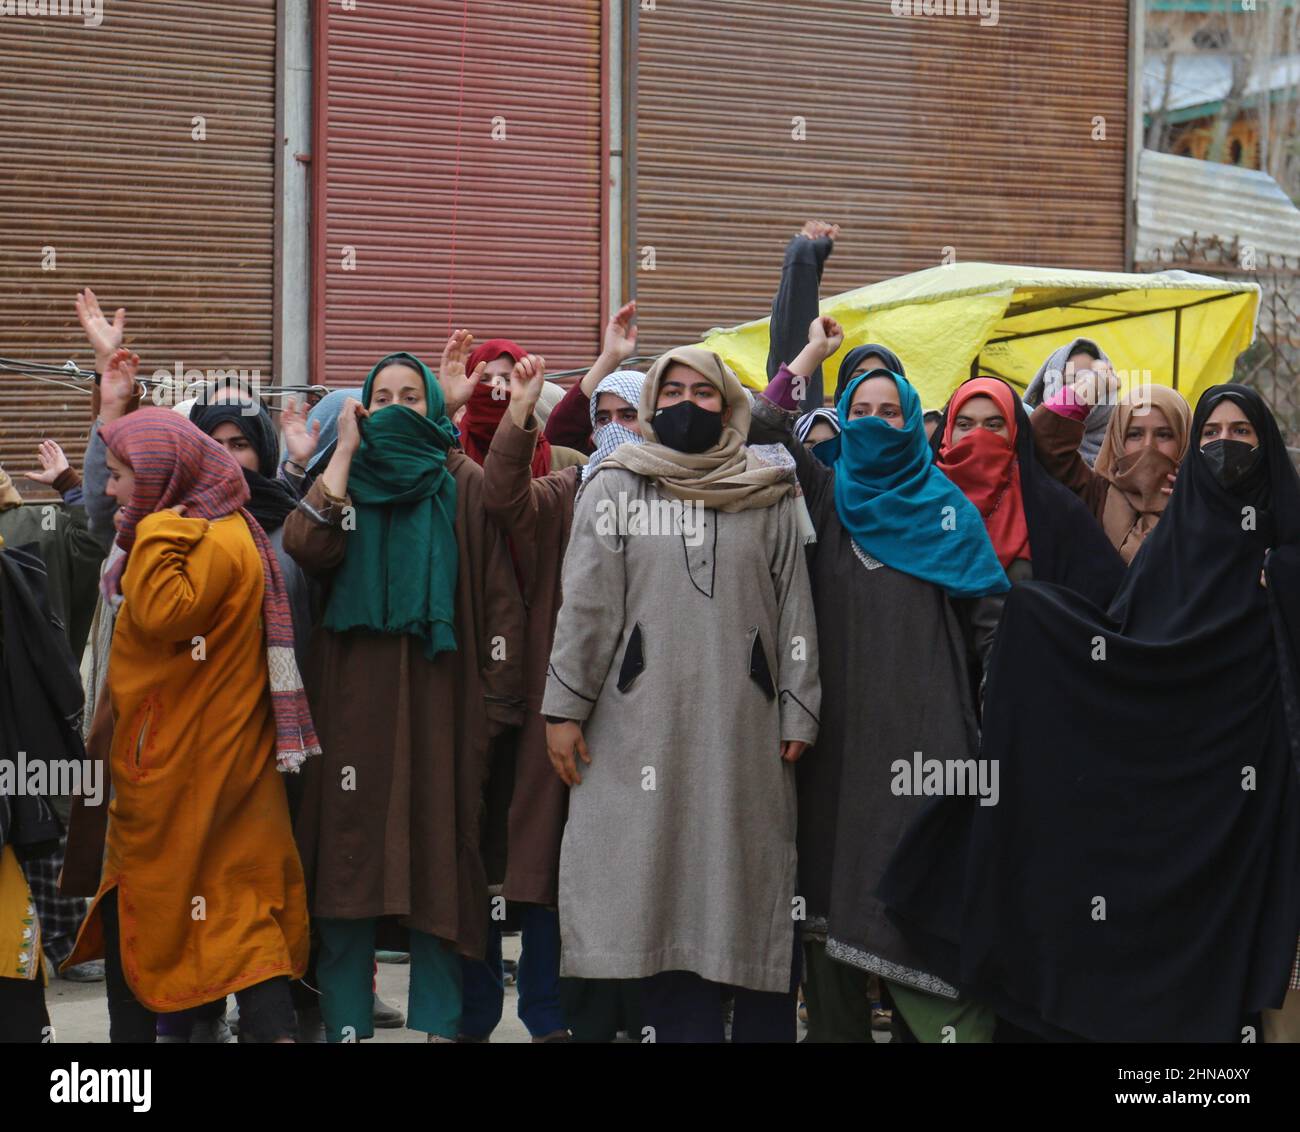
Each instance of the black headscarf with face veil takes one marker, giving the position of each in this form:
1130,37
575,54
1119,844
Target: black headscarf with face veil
1139,877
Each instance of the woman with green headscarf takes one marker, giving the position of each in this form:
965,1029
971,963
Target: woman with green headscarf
415,667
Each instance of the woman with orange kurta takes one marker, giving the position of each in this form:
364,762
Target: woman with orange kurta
202,891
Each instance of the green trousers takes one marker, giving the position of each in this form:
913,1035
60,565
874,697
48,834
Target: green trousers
933,1019
345,972
839,1003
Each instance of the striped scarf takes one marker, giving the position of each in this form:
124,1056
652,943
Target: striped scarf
176,464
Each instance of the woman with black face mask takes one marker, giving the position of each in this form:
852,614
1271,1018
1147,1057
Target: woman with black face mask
1140,878
684,676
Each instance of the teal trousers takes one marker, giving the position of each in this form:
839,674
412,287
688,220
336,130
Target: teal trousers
345,972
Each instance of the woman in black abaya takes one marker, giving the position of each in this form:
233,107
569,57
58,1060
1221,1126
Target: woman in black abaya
1139,877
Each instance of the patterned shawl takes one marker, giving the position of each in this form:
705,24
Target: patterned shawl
174,463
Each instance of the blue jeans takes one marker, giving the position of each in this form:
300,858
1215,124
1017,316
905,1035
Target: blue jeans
484,988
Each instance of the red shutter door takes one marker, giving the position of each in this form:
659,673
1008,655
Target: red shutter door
457,187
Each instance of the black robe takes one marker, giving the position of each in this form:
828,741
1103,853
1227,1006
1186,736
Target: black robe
40,698
1139,878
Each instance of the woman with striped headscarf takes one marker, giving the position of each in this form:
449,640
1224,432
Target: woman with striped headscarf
202,891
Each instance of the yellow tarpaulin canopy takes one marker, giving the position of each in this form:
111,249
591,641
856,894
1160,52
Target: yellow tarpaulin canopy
945,323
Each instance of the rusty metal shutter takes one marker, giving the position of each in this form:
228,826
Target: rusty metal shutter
99,162
449,225
921,133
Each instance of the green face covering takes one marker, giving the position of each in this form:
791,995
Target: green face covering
398,574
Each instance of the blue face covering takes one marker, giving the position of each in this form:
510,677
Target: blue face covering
899,506
827,451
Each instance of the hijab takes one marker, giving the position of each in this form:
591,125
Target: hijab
398,575
853,361
985,467
901,509
270,499
1069,547
327,411
1160,772
805,424
626,385
488,404
730,476
1133,508
175,463
1051,377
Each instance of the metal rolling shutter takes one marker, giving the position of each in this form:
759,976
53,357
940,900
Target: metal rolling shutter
450,226
97,160
922,133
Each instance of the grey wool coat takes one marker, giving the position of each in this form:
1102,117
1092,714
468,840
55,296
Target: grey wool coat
687,666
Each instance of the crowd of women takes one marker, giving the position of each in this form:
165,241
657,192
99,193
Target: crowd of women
718,699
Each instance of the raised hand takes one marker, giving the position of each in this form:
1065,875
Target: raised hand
817,229
117,384
620,333
826,334
1092,386
53,463
300,440
457,385
526,382
105,337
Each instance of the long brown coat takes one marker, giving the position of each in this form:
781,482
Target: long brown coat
390,817
537,515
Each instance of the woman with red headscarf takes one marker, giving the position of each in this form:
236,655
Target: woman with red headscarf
1038,527
488,405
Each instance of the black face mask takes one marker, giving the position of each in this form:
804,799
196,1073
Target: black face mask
1230,461
686,427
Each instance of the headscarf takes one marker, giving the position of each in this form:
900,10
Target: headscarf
270,499
1159,773
398,575
552,394
174,463
985,467
853,360
1069,546
327,410
488,404
9,497
901,509
625,384
1051,378
1133,508
730,476
805,424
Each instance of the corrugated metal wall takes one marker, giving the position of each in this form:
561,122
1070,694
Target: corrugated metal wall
921,133
451,225
98,161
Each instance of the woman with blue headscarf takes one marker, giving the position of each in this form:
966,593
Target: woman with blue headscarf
901,557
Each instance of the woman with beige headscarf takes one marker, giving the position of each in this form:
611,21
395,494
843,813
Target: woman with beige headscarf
684,676
1145,441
